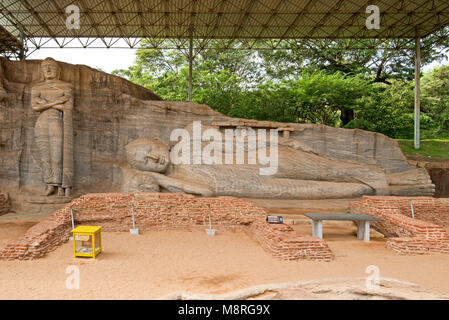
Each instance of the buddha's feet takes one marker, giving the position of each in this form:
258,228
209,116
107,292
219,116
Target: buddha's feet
50,190
61,192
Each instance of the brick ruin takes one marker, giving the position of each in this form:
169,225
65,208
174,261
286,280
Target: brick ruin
170,211
407,235
5,204
165,211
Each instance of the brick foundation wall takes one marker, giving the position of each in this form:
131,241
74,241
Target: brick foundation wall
165,211
434,210
285,244
406,235
5,204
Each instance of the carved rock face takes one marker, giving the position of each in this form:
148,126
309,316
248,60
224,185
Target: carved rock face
109,111
50,69
148,155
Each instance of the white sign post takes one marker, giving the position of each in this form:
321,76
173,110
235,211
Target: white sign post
133,231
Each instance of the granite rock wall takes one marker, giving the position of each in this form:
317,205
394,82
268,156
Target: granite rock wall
109,112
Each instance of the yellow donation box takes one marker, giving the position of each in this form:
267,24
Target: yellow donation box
86,241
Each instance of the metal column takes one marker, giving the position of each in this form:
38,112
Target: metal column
190,67
417,134
22,42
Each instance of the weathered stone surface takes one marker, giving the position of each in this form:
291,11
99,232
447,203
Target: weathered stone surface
99,100
53,132
300,172
300,175
110,112
439,174
5,204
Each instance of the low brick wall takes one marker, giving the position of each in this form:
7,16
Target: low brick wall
284,243
5,204
406,235
165,211
434,210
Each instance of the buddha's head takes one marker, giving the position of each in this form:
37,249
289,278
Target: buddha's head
50,69
148,155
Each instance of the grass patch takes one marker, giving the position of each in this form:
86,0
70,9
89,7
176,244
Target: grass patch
431,149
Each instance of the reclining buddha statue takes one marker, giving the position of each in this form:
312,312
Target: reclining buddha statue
300,174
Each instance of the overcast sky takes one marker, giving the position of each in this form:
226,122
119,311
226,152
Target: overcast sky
108,59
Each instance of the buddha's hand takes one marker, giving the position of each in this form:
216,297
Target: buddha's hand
63,99
59,107
62,104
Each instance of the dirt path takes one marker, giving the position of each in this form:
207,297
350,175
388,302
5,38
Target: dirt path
155,264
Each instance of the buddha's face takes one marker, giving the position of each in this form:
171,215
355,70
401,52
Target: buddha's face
50,69
148,155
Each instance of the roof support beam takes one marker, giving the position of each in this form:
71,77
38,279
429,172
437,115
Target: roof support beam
116,19
298,17
350,19
10,17
243,19
275,12
140,13
41,22
421,25
326,17
167,18
91,20
218,17
246,21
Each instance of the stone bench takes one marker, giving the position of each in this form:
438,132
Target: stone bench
362,221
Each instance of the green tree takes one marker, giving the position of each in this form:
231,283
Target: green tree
326,98
381,59
313,98
319,81
388,109
435,90
219,89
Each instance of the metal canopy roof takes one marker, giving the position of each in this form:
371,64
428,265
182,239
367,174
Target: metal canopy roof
221,19
224,19
8,42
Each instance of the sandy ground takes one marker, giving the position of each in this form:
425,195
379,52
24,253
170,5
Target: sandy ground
156,264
